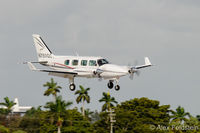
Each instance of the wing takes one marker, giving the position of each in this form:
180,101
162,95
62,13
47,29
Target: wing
51,72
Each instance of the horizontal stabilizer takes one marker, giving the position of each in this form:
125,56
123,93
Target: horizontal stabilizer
147,64
63,72
31,66
41,62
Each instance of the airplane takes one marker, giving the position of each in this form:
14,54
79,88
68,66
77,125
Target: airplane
18,109
81,66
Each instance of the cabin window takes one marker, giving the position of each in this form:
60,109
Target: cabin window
67,62
92,63
84,63
75,62
102,62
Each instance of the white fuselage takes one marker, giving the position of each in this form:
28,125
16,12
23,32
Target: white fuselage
86,67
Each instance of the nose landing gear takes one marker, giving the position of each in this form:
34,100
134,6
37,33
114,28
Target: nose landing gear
111,85
117,87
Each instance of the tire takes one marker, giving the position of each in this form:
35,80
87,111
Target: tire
110,85
117,87
72,87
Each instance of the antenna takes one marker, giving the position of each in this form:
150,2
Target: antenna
76,53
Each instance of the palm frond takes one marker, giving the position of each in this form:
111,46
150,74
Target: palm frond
87,98
77,92
81,87
78,99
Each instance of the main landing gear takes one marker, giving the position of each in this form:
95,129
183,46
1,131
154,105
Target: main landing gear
72,86
110,85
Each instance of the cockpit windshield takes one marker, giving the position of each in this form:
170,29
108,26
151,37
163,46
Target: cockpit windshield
102,62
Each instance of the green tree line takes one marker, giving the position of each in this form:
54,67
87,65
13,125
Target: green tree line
138,115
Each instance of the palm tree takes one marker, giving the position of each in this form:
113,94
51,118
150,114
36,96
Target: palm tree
180,114
108,105
52,88
58,107
83,96
8,104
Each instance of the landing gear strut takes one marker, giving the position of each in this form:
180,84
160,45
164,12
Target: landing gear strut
117,87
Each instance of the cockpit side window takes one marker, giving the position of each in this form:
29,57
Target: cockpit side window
92,63
102,62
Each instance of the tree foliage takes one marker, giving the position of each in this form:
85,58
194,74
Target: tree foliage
137,115
82,97
8,104
52,88
19,131
109,101
3,129
180,114
198,117
57,109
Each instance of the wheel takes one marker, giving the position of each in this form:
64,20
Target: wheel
72,87
110,85
117,87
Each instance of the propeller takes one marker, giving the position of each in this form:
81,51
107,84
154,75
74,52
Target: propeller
133,70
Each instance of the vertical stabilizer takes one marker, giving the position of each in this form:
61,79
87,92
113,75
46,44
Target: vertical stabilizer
17,102
43,52
16,106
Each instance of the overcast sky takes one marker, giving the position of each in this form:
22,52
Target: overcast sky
123,31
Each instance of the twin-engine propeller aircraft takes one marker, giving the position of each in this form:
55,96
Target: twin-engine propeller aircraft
81,66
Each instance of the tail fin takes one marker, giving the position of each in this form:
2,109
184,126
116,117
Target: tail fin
43,52
16,102
15,107
147,61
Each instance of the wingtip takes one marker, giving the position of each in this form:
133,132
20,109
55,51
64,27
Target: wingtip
35,35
